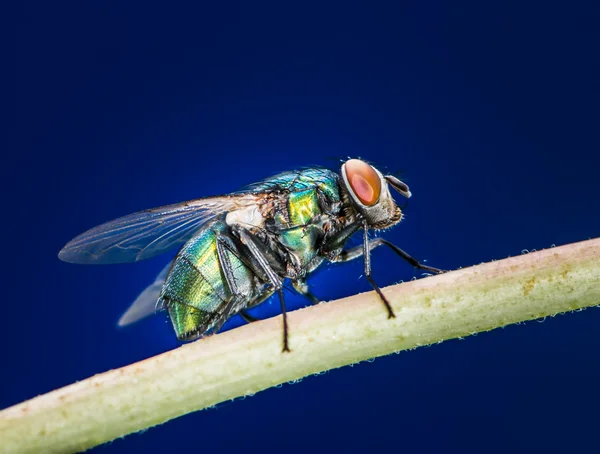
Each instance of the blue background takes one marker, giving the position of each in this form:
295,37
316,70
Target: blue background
489,111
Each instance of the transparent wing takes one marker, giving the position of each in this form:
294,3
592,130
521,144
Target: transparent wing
142,235
146,302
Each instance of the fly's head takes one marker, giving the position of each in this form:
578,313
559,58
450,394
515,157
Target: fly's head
368,193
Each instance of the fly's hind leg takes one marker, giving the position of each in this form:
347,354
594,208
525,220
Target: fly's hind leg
302,288
238,298
265,261
246,316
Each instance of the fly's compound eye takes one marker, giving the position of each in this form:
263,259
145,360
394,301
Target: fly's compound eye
364,181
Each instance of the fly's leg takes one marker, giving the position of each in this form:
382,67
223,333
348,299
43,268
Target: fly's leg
302,288
337,242
222,246
237,296
264,259
247,317
409,258
356,252
367,255
365,251
286,347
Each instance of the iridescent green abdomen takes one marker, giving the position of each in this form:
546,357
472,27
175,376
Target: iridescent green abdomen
196,292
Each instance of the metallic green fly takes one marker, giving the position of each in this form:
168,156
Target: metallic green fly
237,250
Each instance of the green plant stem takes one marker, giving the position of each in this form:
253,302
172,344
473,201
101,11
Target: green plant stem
249,359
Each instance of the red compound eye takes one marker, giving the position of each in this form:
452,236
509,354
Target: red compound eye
364,181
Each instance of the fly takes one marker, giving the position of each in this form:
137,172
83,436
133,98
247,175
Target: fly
238,249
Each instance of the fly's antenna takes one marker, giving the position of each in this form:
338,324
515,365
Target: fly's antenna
400,174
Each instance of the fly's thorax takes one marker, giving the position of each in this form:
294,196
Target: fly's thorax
302,245
296,224
286,210
303,206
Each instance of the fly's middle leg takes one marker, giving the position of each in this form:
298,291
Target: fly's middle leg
247,317
302,288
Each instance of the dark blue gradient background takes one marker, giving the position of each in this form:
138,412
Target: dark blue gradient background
489,111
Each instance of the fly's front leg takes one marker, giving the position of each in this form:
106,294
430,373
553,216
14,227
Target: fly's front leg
367,255
410,259
365,250
337,242
356,252
266,260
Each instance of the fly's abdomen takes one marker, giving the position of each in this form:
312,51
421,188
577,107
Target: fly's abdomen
196,291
